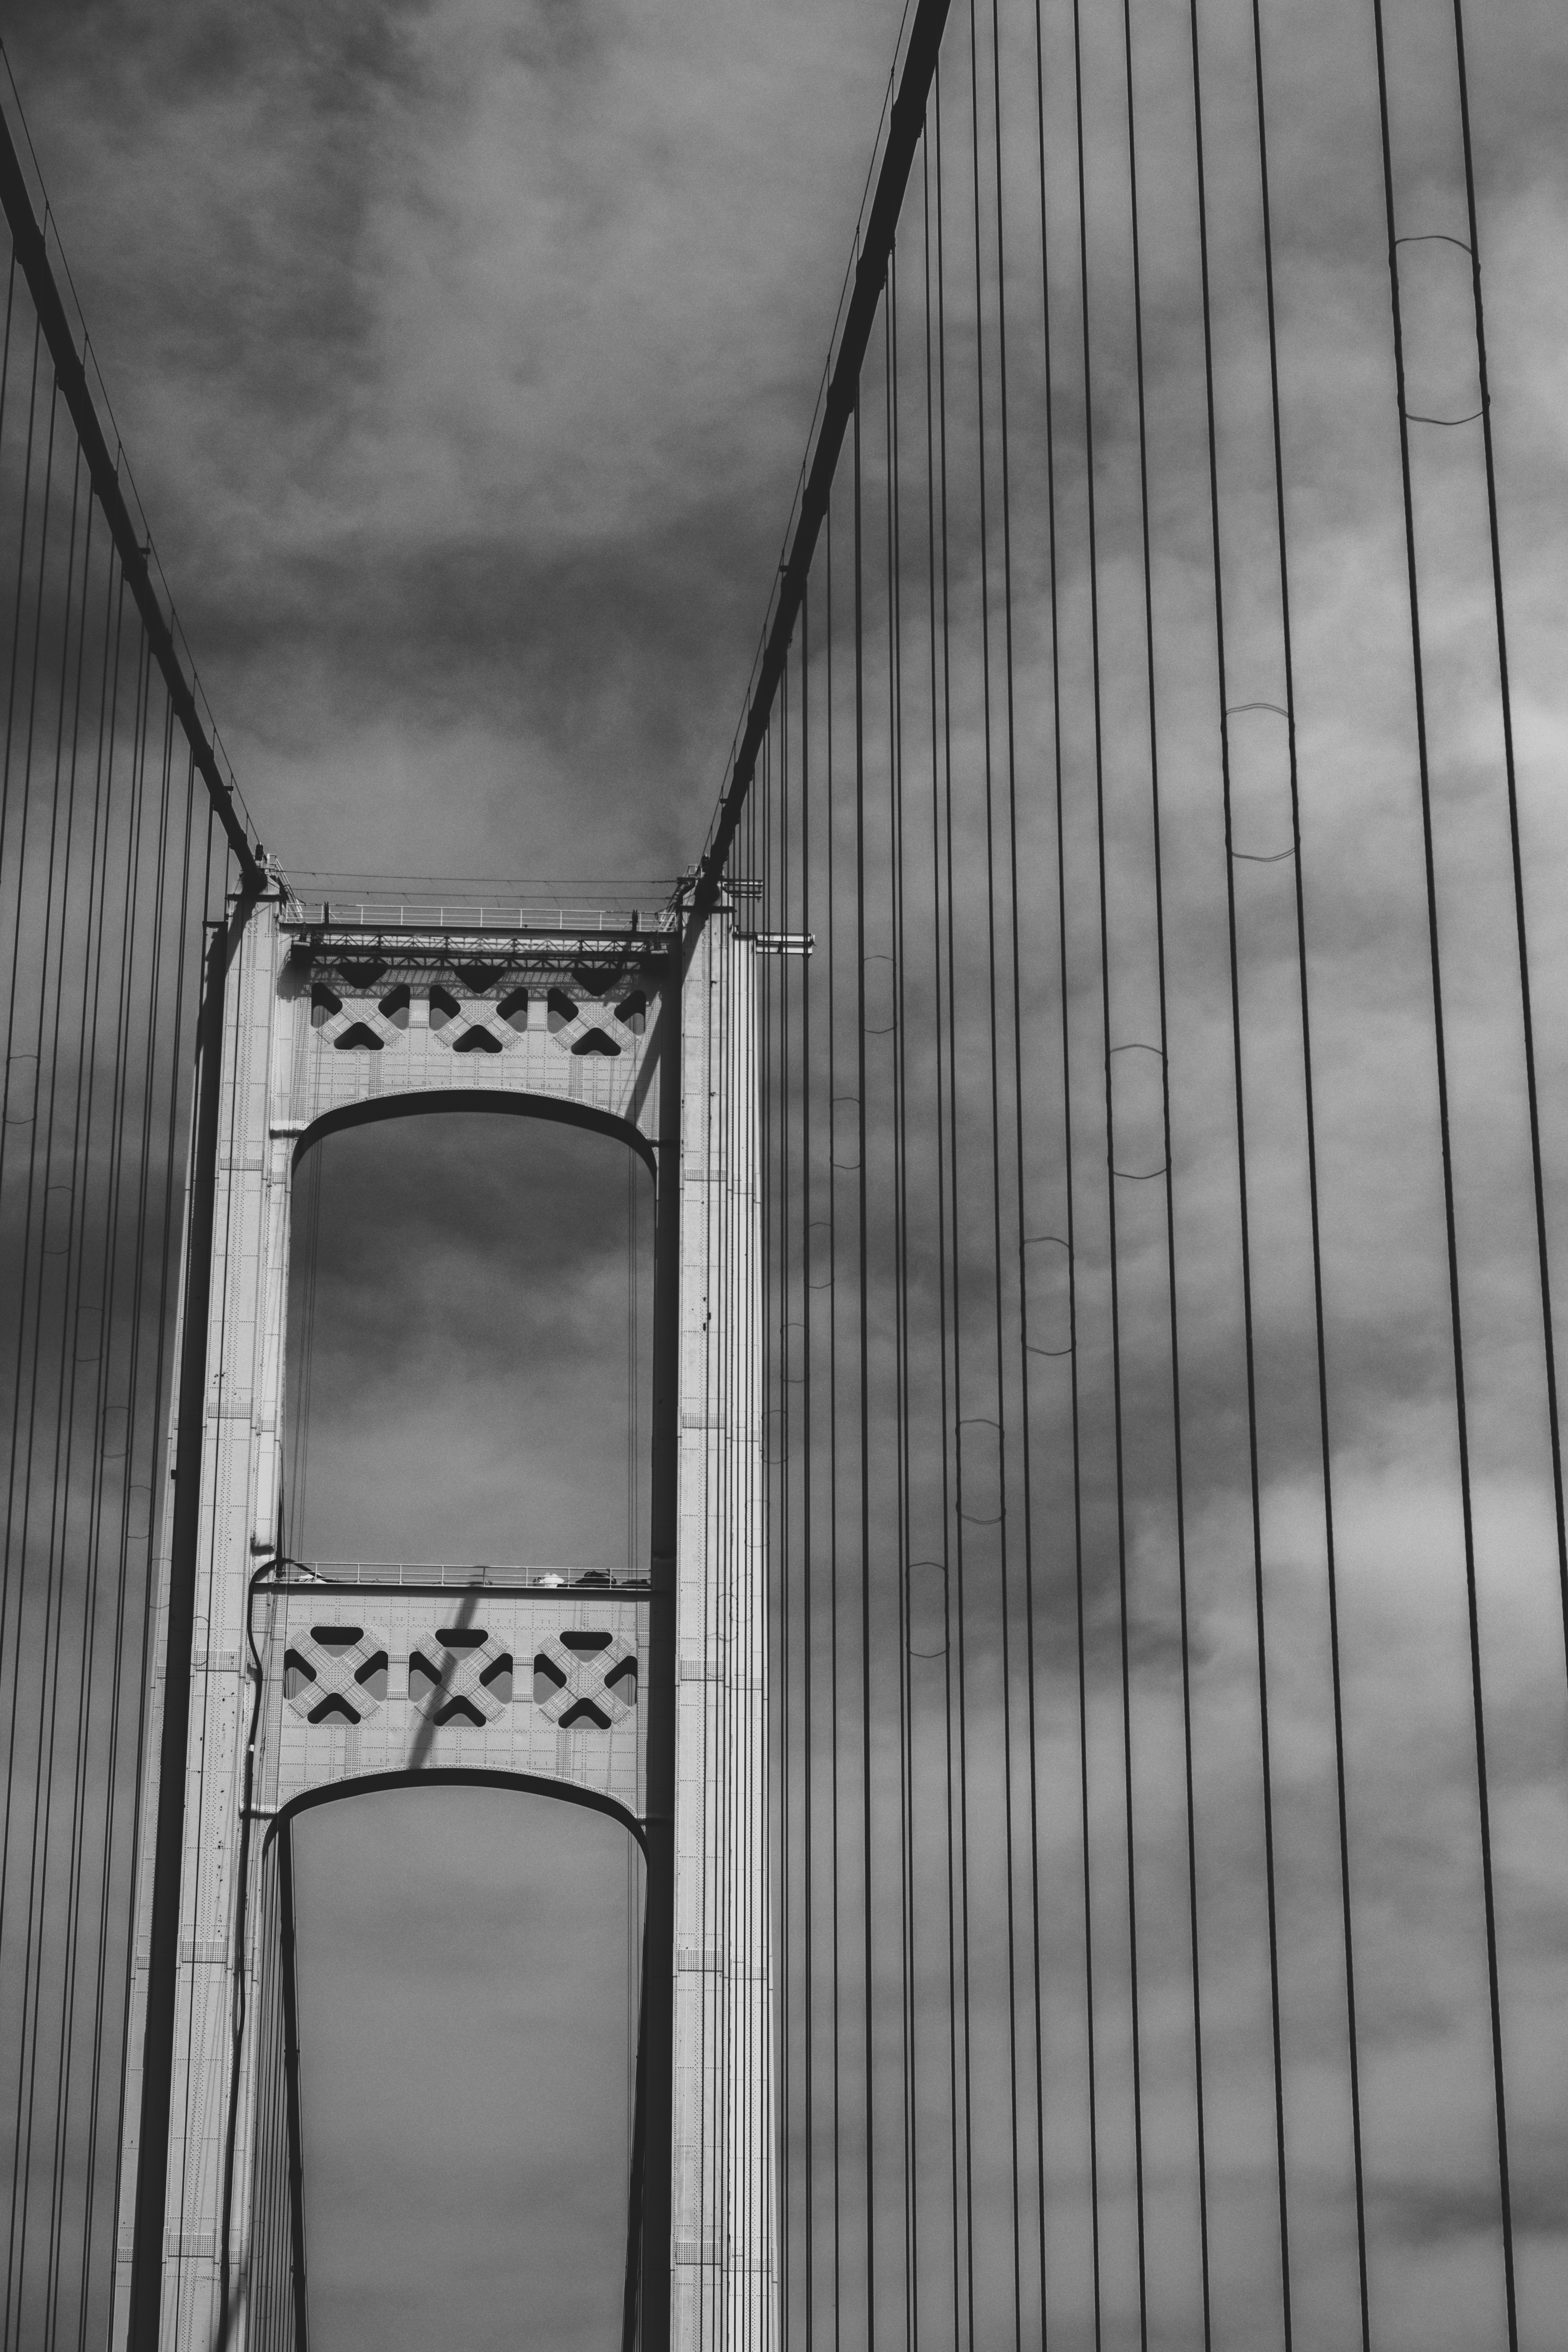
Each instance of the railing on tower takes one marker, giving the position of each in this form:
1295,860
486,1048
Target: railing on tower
1164,1509
122,843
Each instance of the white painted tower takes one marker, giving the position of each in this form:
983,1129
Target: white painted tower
296,1684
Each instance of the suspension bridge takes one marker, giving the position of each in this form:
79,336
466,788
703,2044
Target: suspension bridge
1087,1728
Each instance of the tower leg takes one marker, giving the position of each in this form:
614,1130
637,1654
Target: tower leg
191,1982
725,2232
656,2055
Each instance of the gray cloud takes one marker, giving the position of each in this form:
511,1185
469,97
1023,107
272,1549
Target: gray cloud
465,2130
465,355
465,358
464,1284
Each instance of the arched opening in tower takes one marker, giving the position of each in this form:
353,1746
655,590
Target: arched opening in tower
470,1325
446,2034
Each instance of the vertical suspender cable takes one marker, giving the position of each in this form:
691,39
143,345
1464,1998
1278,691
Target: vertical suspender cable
1243,1199
1439,1034
1013,986
808,1547
863,1334
941,1058
1308,1093
1521,938
1162,979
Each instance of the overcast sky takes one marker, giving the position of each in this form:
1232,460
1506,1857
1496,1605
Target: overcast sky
465,355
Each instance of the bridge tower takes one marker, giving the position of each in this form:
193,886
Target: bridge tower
273,1688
